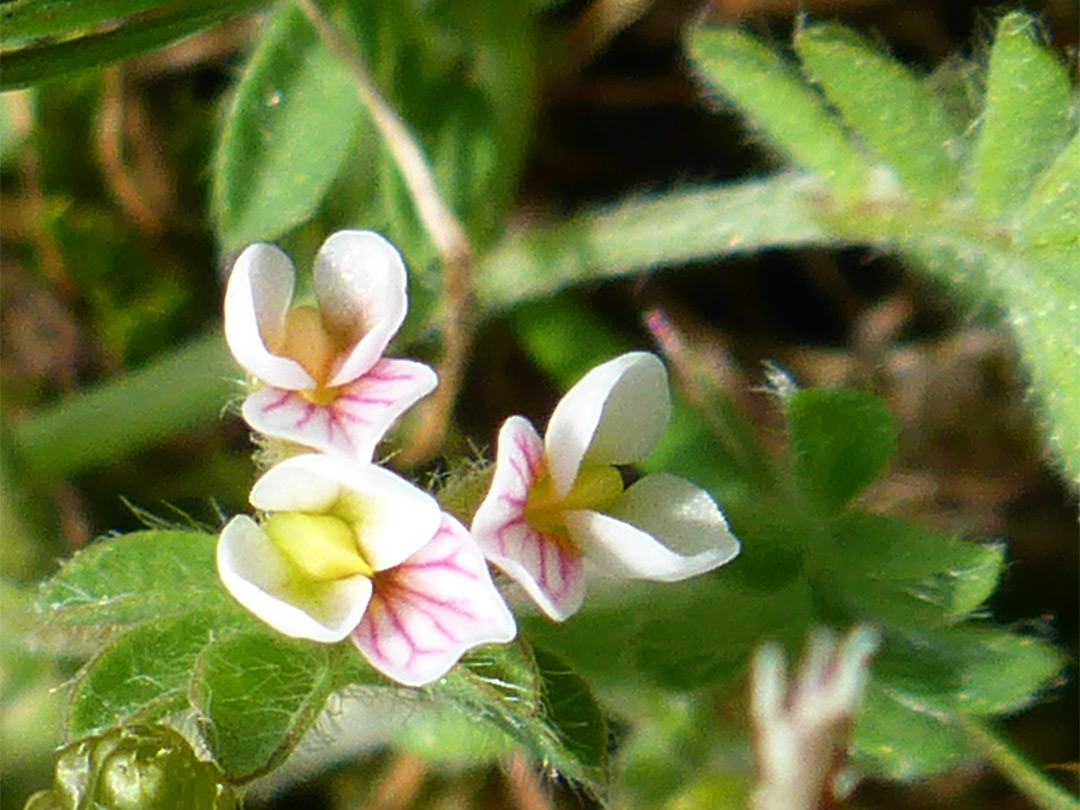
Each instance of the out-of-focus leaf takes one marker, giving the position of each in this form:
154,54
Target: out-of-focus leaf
139,577
141,678
884,103
885,570
287,131
37,19
571,709
256,695
34,64
840,440
1025,116
778,101
640,235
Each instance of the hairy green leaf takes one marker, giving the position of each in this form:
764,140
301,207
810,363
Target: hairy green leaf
840,440
36,63
777,100
1025,117
571,709
256,695
138,577
287,132
639,235
884,103
144,676
886,570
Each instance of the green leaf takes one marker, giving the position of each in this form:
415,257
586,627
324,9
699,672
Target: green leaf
144,676
139,577
840,440
39,63
287,131
256,695
886,570
672,229
572,711
884,103
37,19
779,102
893,742
536,700
1025,118
1051,216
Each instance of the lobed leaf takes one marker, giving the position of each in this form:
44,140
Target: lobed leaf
840,440
1025,118
885,104
777,100
256,695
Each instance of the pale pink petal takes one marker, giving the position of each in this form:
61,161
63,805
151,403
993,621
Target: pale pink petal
257,574
359,281
256,302
623,550
398,518
433,607
354,422
615,414
547,567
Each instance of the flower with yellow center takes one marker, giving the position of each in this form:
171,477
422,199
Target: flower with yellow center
559,501
354,551
323,380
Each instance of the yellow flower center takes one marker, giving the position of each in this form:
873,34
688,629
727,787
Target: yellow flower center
596,487
306,340
323,547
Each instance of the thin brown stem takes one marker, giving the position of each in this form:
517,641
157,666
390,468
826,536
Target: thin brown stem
446,233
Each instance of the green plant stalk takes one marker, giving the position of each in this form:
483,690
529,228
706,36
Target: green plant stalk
187,387
1028,779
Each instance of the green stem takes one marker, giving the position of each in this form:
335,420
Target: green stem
1028,779
184,388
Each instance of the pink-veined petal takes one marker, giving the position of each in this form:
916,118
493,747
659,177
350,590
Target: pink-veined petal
360,285
394,518
615,414
548,568
256,302
354,422
433,607
256,573
623,550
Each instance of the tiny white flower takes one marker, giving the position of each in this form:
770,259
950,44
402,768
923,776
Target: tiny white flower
801,732
349,550
557,502
325,383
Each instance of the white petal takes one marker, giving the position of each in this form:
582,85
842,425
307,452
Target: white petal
614,415
257,574
256,302
433,607
398,518
360,282
354,422
684,517
549,570
668,510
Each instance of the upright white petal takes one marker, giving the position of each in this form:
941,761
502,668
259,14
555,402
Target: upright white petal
257,574
397,517
360,285
256,302
615,414
684,517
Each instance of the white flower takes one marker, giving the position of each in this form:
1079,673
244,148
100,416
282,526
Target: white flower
325,382
351,550
801,732
556,502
